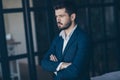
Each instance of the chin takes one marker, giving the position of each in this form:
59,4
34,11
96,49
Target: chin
60,27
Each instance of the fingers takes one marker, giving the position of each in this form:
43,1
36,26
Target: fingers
68,64
65,65
53,58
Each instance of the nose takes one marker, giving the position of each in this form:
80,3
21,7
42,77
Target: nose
58,19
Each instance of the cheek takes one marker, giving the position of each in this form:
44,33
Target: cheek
64,20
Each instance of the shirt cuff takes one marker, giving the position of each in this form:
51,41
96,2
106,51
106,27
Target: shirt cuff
58,68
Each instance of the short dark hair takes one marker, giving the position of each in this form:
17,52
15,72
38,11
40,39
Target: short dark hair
70,6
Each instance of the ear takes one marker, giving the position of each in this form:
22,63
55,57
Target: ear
73,16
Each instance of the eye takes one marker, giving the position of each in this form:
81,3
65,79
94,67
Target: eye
62,15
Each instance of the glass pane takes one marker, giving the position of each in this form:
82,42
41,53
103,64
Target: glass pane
113,52
81,2
42,31
83,18
108,1
97,24
98,58
19,69
34,31
96,1
31,3
39,3
0,72
42,74
15,34
12,4
118,18
111,29
78,2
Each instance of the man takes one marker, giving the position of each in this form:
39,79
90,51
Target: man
68,56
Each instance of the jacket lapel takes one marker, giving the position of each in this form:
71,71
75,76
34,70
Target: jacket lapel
60,45
71,40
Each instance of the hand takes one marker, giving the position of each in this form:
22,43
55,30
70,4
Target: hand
53,58
65,65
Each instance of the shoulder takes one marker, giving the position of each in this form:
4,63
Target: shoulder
82,36
83,39
81,33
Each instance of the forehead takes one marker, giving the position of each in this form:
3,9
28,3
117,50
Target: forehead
60,11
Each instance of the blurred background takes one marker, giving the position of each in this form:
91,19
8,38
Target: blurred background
27,28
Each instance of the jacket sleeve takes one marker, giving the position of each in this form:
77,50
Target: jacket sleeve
46,63
80,62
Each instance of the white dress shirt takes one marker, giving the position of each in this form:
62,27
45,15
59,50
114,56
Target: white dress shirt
66,37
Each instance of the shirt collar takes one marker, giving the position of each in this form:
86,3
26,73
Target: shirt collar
62,33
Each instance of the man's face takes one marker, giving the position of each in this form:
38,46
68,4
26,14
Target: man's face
63,19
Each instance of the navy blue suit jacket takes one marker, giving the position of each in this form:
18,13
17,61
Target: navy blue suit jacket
76,52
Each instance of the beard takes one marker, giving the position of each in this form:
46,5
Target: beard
66,26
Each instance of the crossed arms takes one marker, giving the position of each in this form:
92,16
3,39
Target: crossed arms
78,65
62,65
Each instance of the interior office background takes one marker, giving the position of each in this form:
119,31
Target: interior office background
27,28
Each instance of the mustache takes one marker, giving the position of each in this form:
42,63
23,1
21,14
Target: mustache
59,23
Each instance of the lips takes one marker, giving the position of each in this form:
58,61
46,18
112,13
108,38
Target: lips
59,23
